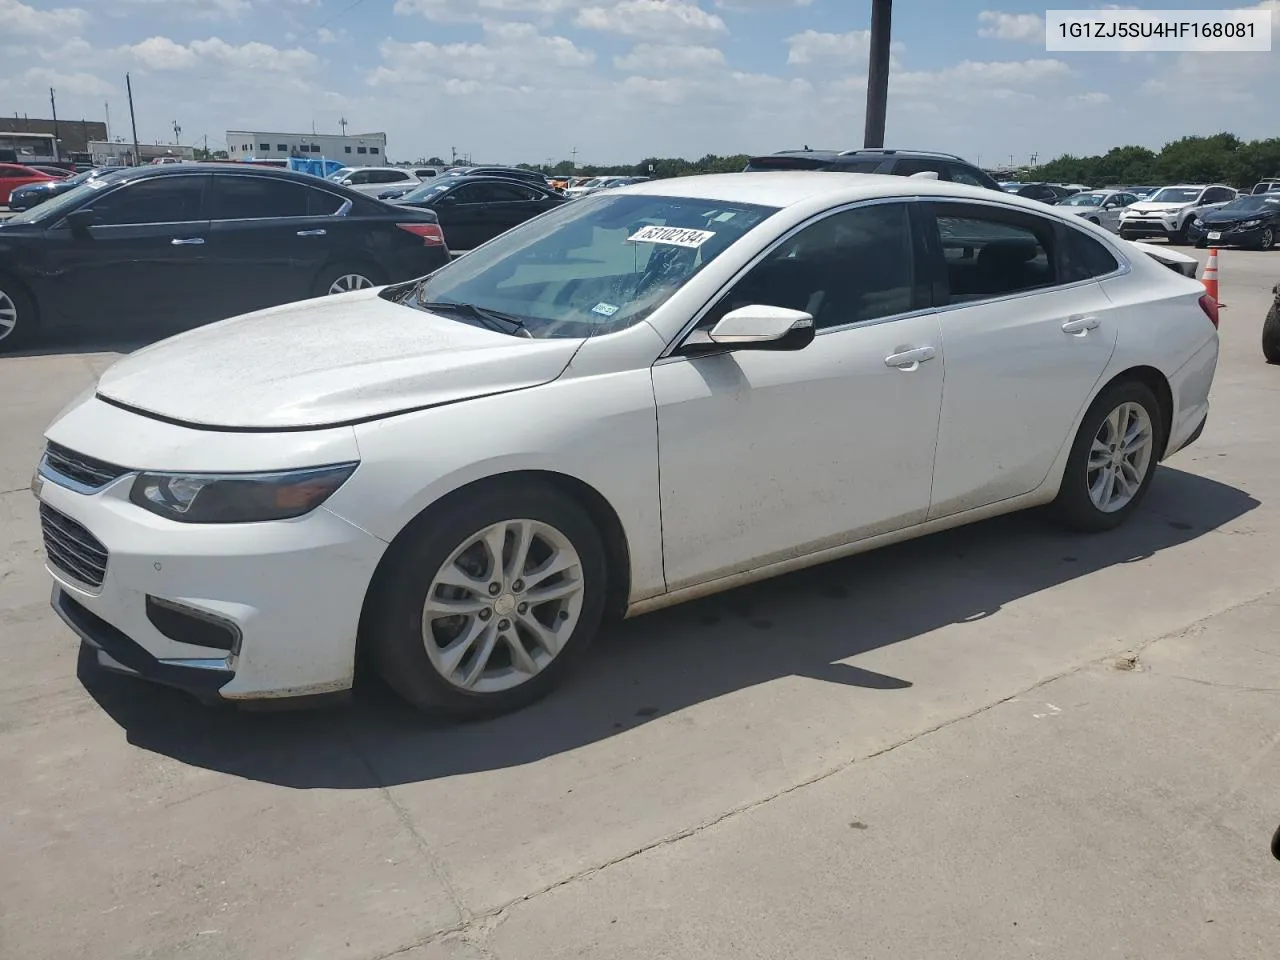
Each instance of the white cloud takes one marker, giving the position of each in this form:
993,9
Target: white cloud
1022,27
18,19
513,53
183,9
68,84
660,19
446,11
162,53
669,58
752,6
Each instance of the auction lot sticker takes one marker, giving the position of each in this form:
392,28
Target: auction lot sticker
1127,30
672,236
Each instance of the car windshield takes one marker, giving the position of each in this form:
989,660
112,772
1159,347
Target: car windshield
1253,203
1176,195
56,206
588,268
428,191
1083,200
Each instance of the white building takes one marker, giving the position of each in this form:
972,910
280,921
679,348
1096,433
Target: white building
361,149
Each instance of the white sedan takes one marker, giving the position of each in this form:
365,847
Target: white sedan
647,396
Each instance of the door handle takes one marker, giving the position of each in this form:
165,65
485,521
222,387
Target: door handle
186,241
312,233
910,359
1079,326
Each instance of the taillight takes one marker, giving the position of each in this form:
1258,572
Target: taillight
1210,308
430,233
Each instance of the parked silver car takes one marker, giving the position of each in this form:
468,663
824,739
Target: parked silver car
1169,211
1102,207
376,180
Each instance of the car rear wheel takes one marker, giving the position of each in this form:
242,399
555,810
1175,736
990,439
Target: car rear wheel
488,602
17,316
346,277
1271,334
1113,458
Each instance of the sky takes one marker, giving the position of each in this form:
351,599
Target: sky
510,81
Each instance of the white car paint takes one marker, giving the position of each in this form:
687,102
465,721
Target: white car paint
1106,213
1162,217
720,469
372,181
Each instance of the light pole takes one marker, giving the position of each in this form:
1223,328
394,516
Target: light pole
878,72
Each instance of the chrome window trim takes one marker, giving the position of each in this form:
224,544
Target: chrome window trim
1122,258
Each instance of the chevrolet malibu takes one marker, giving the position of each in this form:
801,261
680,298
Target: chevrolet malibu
649,395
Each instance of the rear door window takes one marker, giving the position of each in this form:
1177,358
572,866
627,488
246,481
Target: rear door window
256,198
993,253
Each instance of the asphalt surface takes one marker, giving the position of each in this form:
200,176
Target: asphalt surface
999,742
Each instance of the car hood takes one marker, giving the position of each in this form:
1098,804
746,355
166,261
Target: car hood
1236,216
1146,206
326,362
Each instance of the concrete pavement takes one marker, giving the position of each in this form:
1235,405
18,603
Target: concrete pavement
926,751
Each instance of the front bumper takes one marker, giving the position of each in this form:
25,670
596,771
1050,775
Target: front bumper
238,611
1231,234
1148,227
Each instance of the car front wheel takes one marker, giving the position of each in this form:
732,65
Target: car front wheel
1113,458
1267,239
1271,334
488,601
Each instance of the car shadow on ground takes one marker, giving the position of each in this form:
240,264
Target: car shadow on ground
804,624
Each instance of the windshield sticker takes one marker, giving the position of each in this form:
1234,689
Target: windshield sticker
672,236
605,309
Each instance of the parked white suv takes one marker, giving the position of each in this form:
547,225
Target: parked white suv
1169,211
375,180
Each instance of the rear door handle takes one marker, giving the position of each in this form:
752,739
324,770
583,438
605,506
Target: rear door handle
910,359
312,233
186,241
1079,326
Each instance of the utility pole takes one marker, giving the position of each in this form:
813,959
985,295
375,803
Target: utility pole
53,105
878,73
107,107
343,123
177,133
133,120
453,153
574,154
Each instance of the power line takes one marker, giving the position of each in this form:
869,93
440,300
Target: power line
341,13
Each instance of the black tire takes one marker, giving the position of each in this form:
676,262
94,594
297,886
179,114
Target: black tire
1095,221
393,626
1126,235
330,274
1271,334
16,305
1179,236
1073,506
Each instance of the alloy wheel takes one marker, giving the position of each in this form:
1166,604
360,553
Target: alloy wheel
503,605
1119,457
348,282
8,315
1267,239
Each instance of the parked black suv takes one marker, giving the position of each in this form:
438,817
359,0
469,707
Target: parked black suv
898,163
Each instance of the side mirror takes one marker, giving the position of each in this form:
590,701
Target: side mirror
756,327
80,221
346,182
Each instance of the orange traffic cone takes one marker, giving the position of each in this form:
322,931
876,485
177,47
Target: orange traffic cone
1210,278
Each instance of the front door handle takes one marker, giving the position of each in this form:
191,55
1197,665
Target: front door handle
312,233
910,359
1079,326
186,241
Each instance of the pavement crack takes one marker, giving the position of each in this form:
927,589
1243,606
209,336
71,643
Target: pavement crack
465,917
490,919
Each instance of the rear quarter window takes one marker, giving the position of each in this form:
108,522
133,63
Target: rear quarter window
1081,257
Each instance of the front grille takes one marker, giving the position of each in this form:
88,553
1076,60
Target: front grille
88,471
71,548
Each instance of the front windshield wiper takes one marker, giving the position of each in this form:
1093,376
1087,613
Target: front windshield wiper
491,319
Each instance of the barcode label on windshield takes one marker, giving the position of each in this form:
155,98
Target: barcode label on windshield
673,236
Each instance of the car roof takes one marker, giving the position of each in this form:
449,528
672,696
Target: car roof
787,188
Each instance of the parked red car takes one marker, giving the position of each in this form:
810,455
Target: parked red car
15,175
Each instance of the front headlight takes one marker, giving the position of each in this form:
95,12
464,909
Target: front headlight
238,497
1251,223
